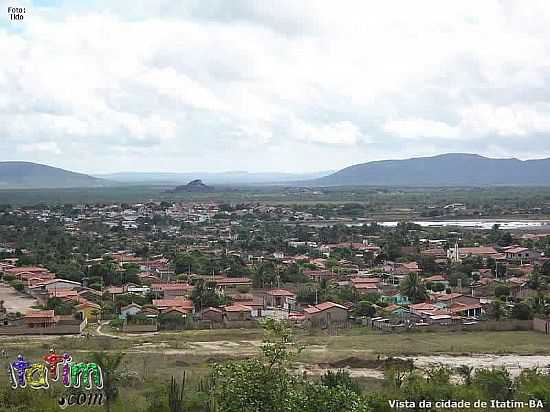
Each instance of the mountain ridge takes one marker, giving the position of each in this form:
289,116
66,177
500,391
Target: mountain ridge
29,175
449,169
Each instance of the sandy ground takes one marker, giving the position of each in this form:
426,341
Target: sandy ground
15,301
513,363
317,370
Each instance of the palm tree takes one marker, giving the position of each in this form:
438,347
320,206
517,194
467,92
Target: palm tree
109,365
413,287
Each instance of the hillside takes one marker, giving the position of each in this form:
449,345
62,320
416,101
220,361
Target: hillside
26,175
454,169
194,186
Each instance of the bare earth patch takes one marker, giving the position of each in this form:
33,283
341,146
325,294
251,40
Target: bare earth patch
15,301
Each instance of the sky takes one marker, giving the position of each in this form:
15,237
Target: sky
102,86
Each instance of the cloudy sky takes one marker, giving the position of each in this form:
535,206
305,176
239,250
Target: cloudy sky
258,85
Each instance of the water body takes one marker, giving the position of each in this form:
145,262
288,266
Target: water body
478,224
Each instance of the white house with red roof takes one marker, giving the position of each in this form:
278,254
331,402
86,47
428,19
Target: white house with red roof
279,298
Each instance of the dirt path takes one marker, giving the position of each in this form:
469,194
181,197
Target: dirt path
99,332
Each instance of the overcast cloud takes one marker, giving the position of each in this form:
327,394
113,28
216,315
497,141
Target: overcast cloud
286,85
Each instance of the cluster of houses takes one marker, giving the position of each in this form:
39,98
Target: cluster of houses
167,295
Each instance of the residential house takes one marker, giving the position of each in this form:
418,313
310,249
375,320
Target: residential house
59,284
442,279
212,314
280,298
366,284
457,254
319,275
228,283
40,319
164,304
171,290
326,314
237,312
520,254
88,310
428,313
129,310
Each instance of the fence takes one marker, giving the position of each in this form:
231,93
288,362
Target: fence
504,325
136,328
541,325
74,327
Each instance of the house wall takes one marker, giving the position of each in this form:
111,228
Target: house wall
328,316
62,328
212,316
140,328
131,311
238,316
505,325
60,285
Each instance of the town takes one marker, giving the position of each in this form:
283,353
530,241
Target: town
291,206
142,273
160,266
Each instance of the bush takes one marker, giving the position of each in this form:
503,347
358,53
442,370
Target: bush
243,289
116,323
17,285
502,291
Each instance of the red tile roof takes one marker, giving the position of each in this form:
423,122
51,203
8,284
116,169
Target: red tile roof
323,306
237,308
40,314
165,303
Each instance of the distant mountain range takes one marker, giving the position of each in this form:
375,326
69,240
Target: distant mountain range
454,169
224,178
27,175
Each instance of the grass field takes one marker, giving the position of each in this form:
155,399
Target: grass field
196,347
153,359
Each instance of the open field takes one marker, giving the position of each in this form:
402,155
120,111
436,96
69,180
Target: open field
202,347
153,359
394,197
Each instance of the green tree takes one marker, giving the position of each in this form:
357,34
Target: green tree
340,378
502,291
521,311
266,384
204,294
495,383
414,288
496,310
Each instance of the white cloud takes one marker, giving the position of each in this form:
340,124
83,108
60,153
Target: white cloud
512,120
420,128
45,147
178,82
336,133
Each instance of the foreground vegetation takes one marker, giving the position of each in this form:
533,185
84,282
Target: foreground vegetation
235,381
